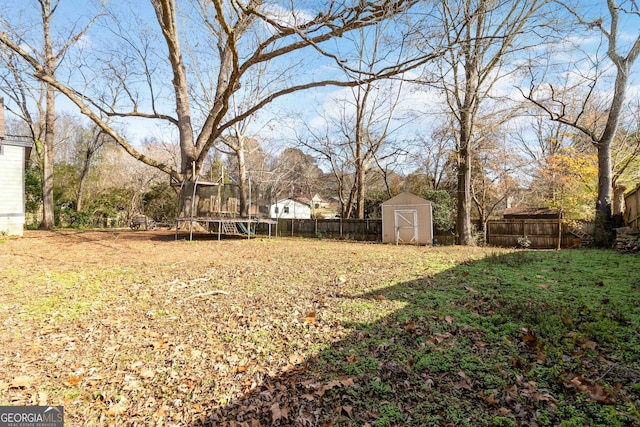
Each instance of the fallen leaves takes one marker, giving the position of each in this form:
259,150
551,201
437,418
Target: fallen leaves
530,338
116,409
439,338
147,373
75,380
310,317
43,398
160,344
489,398
352,358
593,390
23,381
319,389
345,410
465,382
293,344
278,412
296,359
529,390
410,326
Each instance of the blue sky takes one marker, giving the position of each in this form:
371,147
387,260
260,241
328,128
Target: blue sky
135,15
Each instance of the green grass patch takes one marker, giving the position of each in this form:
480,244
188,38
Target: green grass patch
556,332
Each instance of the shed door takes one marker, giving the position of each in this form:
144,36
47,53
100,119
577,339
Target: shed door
406,226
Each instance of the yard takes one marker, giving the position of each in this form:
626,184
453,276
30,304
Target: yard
134,328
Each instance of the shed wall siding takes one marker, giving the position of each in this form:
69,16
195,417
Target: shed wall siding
11,189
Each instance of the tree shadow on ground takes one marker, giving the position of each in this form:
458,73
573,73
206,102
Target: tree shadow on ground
488,343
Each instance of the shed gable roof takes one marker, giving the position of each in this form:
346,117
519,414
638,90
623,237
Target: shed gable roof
406,198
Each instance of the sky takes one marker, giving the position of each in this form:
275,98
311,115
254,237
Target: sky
311,106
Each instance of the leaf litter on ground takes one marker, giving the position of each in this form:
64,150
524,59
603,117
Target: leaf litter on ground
148,330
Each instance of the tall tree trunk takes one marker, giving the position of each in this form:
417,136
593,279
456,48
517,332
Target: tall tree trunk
480,200
48,216
80,196
603,234
360,186
166,15
242,185
348,207
84,173
463,223
48,157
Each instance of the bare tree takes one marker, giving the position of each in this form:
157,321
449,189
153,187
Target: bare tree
363,123
48,53
603,137
24,97
331,151
298,173
494,180
369,128
487,34
88,144
626,154
435,158
237,37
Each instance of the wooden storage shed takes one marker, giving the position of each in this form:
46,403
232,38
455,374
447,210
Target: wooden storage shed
407,219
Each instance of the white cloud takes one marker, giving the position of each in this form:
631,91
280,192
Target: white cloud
287,17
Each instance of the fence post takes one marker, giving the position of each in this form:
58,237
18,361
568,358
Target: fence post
559,245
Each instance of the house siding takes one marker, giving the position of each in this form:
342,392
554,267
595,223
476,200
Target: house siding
289,209
12,215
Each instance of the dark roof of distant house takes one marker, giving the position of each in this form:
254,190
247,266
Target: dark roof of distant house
530,213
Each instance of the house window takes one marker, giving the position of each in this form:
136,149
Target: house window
317,206
286,209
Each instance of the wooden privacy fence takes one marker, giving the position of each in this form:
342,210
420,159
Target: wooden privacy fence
348,229
632,208
542,233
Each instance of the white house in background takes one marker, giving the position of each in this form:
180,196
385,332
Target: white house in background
289,209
